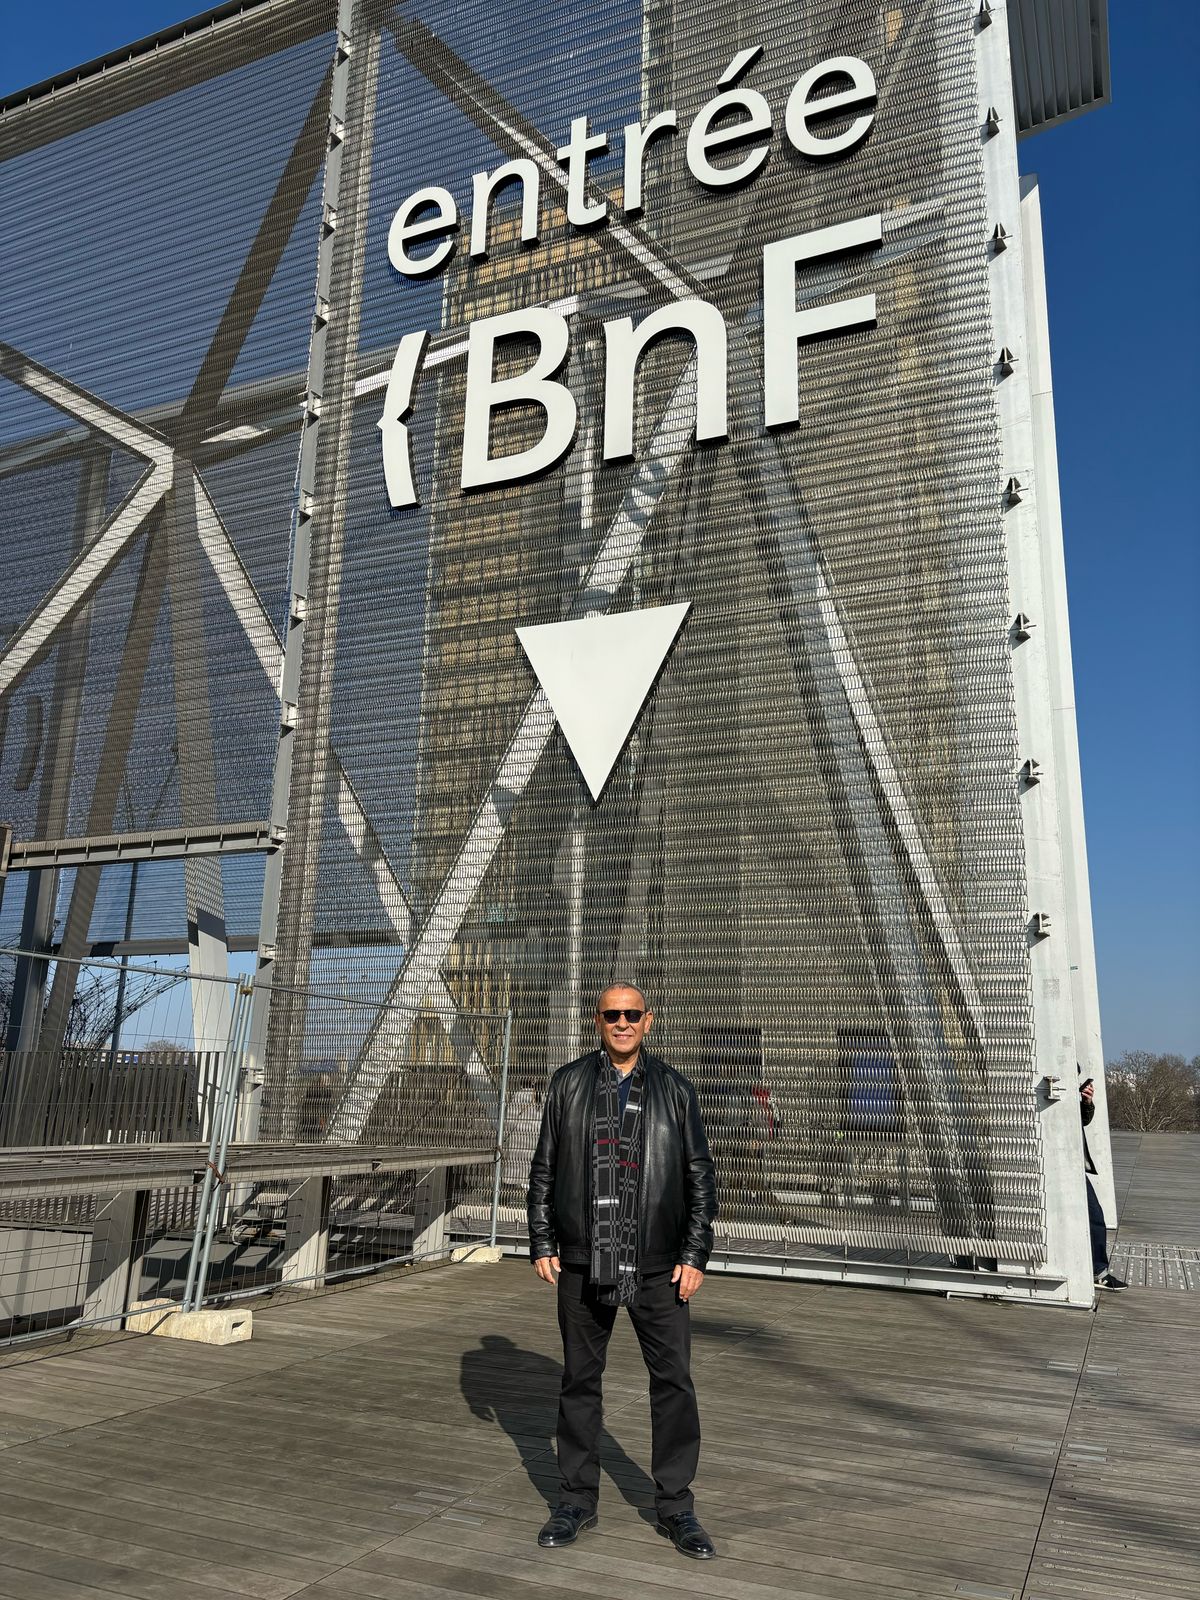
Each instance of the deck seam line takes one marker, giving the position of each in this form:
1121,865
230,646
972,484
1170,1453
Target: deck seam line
1058,1460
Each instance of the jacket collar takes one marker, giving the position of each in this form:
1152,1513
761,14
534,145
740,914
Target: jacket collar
648,1063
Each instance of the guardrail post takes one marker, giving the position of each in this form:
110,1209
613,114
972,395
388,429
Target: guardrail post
115,1263
306,1236
501,1114
429,1216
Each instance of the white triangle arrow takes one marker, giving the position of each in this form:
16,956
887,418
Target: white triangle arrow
596,673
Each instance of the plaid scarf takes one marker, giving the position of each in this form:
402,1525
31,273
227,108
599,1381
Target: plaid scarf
616,1171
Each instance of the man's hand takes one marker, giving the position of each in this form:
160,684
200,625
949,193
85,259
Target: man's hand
547,1268
689,1280
1088,1092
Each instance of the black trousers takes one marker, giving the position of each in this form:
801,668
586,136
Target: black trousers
660,1320
1098,1231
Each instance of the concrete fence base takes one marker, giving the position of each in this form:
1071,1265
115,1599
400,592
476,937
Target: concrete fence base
222,1326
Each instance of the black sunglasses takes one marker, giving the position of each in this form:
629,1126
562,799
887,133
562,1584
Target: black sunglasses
630,1013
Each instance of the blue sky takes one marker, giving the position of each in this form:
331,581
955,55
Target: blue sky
1119,199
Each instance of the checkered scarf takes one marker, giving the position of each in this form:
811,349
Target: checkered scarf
616,1170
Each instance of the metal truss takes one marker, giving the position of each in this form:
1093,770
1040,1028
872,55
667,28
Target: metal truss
171,509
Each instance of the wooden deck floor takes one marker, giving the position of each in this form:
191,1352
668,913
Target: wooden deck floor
396,1442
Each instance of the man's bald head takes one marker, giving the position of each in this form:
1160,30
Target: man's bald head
605,996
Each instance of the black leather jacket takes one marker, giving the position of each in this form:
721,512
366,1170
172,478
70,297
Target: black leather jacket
679,1188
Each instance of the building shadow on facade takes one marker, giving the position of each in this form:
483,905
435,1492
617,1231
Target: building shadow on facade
518,1391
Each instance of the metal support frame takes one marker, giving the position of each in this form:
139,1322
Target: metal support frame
1056,640
41,891
1035,1287
148,844
421,975
306,1232
212,1197
501,1113
191,526
98,1169
429,1217
115,1262
331,376
118,737
1068,1252
208,950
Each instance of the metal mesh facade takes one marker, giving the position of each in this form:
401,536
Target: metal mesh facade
809,852
156,338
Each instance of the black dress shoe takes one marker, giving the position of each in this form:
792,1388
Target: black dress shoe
565,1525
686,1534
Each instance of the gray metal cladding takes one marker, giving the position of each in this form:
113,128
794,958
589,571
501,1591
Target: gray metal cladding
1060,59
809,852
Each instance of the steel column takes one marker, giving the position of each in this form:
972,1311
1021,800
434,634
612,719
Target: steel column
54,792
1085,996
306,1233
319,526
1067,1241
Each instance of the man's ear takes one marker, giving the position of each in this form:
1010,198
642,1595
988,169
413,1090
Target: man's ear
649,1020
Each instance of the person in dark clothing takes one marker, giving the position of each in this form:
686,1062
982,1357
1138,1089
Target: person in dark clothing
1100,1269
622,1199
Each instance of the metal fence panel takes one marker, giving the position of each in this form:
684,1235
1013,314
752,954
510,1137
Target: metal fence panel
127,1176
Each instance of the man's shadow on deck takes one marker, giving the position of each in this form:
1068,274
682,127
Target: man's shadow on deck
518,1389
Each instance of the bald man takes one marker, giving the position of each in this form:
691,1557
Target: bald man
622,1199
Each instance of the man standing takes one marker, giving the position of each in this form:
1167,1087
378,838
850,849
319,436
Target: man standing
1105,1279
622,1198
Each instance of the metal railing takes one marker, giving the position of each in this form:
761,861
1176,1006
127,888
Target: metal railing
133,1172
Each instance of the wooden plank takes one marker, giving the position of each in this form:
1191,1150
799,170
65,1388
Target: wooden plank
396,1442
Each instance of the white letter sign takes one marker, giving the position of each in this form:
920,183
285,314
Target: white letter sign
535,387
784,326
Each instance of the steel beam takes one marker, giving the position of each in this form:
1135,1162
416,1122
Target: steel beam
306,676
92,565
91,1169
306,1233
148,844
208,951
110,770
115,1261
441,1002
54,787
97,415
1036,1287
204,47
235,580
429,1217
270,241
